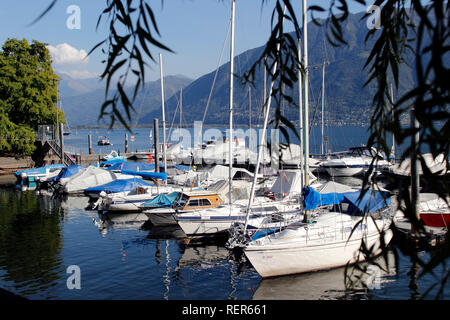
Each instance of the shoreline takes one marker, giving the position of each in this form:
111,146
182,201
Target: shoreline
7,180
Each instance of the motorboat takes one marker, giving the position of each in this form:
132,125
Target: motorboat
103,141
91,177
113,155
355,161
164,209
434,211
32,177
120,186
282,199
436,165
133,200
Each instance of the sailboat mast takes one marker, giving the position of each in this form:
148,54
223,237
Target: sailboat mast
306,89
181,111
415,162
230,138
163,113
323,105
393,136
250,114
300,104
262,139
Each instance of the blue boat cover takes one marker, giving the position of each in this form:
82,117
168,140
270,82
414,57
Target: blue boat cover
162,200
370,202
118,186
40,170
313,199
112,162
133,166
68,172
144,174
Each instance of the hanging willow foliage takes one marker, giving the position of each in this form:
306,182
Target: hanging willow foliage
407,27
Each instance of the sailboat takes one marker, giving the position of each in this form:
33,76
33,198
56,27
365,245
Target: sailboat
220,219
330,238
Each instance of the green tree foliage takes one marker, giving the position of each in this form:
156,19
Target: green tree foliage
28,94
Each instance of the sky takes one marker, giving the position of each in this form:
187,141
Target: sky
195,30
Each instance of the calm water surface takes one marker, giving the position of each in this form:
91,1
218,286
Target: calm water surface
42,236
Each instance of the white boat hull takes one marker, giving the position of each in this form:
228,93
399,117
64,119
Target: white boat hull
204,228
343,171
317,251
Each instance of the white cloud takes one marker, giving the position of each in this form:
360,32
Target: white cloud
65,54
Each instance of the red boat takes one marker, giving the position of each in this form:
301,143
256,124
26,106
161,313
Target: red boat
436,219
434,211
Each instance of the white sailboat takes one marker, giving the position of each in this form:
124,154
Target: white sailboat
333,238
326,244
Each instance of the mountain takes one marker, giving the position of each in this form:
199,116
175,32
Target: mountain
347,102
84,109
69,86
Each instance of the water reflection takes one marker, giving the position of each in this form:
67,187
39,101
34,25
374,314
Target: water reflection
330,284
30,241
110,221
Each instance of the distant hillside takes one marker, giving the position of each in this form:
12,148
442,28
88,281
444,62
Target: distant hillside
69,86
84,109
347,102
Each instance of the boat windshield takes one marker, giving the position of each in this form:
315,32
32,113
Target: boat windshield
181,200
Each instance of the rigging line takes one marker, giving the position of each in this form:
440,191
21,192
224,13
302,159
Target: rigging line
215,75
139,111
174,116
313,99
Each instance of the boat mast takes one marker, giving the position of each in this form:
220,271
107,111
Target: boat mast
262,139
250,115
300,104
163,113
415,162
306,89
393,136
230,137
323,104
181,113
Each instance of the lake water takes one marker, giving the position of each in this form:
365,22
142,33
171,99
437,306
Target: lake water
41,237
339,138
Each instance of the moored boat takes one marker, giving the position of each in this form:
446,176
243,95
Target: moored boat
333,239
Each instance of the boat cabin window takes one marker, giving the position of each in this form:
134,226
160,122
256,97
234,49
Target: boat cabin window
205,202
193,203
264,209
199,203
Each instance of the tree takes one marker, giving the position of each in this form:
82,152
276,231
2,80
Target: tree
28,91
